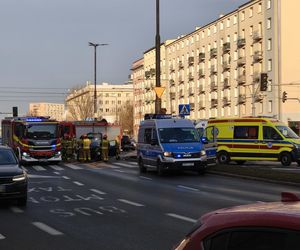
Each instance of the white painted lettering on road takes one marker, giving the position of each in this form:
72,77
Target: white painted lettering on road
2,237
72,166
131,203
78,183
188,188
97,191
39,168
47,229
182,217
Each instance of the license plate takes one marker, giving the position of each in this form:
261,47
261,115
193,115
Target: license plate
188,164
2,189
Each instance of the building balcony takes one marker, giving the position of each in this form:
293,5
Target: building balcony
213,70
226,102
242,99
201,89
173,95
191,77
226,84
152,72
241,79
257,56
172,82
258,98
191,91
241,42
256,36
180,80
214,103
192,106
226,66
213,87
180,65
201,57
226,47
181,93
201,105
172,69
147,74
241,61
256,77
213,53
191,60
201,73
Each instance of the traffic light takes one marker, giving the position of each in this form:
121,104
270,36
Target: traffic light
15,111
263,82
284,96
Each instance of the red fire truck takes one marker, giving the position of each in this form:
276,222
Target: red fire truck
34,139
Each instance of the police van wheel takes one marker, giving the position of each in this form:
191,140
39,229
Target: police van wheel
286,159
160,169
142,168
223,157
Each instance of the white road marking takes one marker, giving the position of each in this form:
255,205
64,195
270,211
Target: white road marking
131,203
73,166
188,188
118,170
124,165
286,169
78,183
46,228
16,210
66,177
2,237
97,191
146,178
115,167
55,167
39,168
182,217
34,176
56,172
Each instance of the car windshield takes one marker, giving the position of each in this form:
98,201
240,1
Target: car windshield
178,135
7,157
287,132
41,131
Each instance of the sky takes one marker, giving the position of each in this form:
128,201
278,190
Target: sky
44,43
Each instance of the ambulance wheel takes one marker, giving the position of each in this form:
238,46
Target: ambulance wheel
142,168
286,159
223,157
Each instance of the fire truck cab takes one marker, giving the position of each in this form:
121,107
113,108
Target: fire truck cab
34,139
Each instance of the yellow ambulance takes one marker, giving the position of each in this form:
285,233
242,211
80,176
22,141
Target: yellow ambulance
255,139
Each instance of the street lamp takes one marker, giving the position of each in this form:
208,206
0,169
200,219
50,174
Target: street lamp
95,45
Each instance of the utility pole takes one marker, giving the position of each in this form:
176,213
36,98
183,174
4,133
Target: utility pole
157,61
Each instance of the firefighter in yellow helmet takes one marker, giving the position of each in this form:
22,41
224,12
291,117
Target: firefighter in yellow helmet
118,149
86,148
105,148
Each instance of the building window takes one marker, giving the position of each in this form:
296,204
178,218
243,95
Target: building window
270,106
208,32
106,102
235,19
251,30
269,44
270,85
259,8
270,65
243,16
269,4
228,22
119,95
215,28
221,25
269,23
107,110
251,12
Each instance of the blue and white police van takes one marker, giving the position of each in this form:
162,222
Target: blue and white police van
166,143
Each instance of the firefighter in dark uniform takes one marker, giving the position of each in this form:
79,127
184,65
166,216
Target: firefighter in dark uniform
64,147
80,148
118,149
105,148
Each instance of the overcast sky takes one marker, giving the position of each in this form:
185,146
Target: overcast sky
44,43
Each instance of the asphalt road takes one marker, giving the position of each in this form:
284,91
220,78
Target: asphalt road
111,206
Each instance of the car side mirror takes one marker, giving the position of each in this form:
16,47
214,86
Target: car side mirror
154,142
204,140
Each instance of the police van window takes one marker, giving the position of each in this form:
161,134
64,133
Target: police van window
246,132
178,135
270,133
147,135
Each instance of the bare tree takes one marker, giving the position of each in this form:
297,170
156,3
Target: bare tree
80,105
126,117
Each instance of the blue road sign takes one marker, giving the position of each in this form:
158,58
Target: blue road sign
184,109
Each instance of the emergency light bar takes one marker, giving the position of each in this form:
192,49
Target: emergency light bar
157,116
34,119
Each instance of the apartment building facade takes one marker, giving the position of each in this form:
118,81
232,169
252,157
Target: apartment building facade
111,98
217,68
54,110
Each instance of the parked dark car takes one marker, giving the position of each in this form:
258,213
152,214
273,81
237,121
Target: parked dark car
127,143
13,178
263,225
96,140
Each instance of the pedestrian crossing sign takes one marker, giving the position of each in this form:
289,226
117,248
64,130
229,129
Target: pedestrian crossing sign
184,109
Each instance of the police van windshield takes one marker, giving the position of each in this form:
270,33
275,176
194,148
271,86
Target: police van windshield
178,135
287,132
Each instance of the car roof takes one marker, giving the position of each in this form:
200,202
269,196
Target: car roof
270,214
